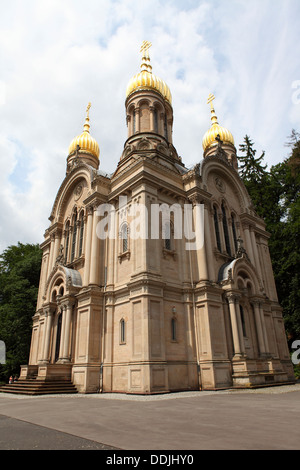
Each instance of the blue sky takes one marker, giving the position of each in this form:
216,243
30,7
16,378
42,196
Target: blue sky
57,56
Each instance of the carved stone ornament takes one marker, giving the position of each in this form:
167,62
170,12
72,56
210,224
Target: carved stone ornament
60,257
220,185
78,191
144,144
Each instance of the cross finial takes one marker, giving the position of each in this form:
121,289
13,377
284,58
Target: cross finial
210,99
145,46
88,110
145,65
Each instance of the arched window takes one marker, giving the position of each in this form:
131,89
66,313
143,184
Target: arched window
167,235
233,225
122,331
74,236
225,229
81,234
124,238
166,127
173,329
155,120
133,121
217,231
67,242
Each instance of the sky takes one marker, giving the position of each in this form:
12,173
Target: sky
57,56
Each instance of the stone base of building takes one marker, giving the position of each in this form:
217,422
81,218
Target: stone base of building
142,378
261,372
46,372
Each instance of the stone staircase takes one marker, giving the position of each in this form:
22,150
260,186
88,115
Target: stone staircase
34,386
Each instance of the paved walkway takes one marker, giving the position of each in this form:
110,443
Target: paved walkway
261,419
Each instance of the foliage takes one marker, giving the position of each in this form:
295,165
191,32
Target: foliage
275,195
19,280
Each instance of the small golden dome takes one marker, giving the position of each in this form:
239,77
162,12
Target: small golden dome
146,80
85,141
215,130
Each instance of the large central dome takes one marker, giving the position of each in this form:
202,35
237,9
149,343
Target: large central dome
146,80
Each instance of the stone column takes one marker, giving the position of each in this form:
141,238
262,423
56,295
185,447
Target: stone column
51,254
238,352
49,316
62,334
262,316
239,322
259,329
201,250
87,254
207,243
68,309
94,261
129,125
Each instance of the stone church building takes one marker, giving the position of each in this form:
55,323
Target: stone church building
188,305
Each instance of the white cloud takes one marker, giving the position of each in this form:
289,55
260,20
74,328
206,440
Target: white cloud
57,56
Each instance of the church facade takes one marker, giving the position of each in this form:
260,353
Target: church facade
158,277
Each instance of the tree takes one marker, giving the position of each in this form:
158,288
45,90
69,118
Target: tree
253,174
19,280
275,195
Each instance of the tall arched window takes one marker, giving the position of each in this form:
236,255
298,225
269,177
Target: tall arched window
133,122
217,232
165,127
81,233
124,238
225,229
122,331
167,235
67,242
233,225
74,236
155,120
173,329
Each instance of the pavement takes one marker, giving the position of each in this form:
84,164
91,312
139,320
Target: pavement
259,419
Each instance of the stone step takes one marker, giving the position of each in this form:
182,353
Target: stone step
39,387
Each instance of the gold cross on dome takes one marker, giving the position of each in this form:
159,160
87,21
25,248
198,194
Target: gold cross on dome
210,99
88,110
145,46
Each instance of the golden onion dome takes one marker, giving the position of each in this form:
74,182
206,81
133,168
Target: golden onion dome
215,130
146,80
85,141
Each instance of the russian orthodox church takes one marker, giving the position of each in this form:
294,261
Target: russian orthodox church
117,312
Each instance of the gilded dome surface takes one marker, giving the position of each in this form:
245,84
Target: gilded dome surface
215,130
85,141
146,80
